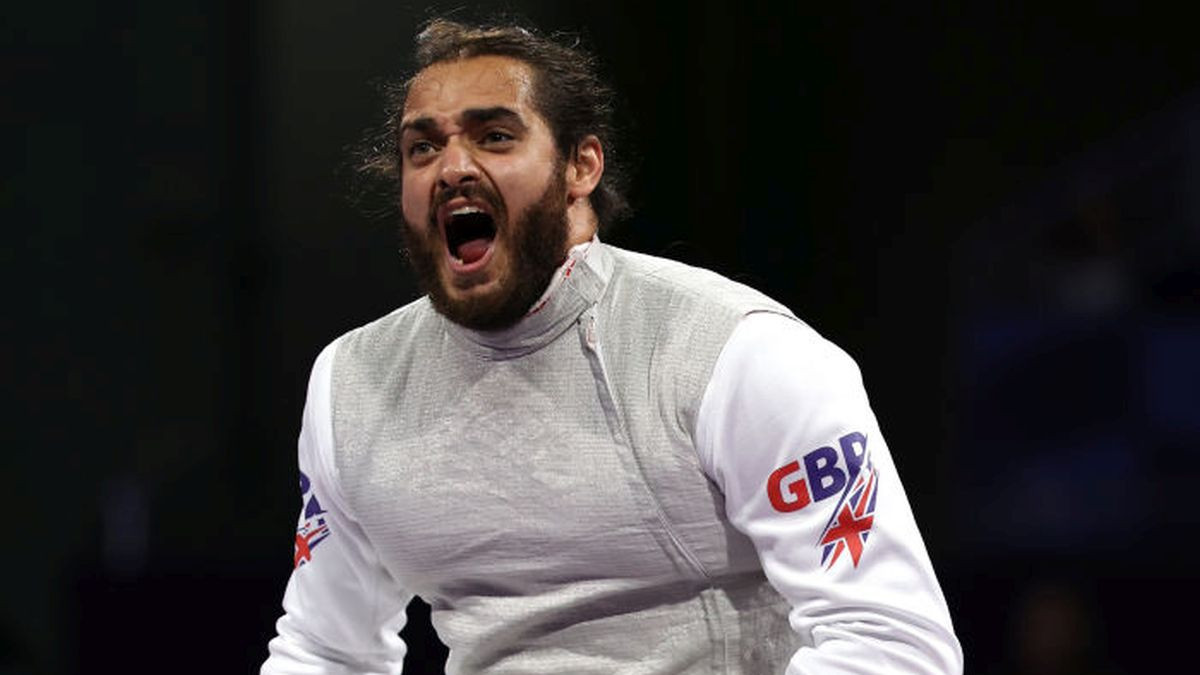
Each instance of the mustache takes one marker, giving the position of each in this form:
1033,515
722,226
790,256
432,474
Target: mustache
472,191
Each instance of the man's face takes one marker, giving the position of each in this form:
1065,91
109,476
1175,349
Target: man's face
483,195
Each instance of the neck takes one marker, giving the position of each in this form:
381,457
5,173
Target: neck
576,285
582,224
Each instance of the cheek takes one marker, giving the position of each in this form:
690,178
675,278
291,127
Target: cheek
523,184
414,203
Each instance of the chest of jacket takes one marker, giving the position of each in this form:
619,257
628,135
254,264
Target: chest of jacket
549,498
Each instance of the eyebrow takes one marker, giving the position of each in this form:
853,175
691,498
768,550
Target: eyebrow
470,116
423,125
478,116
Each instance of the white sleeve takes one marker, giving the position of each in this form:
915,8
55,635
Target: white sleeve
343,610
786,432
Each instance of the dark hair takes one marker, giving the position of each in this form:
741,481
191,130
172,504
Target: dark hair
567,92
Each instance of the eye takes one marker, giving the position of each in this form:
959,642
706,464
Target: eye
495,136
420,147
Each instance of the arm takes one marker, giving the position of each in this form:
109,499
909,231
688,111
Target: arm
786,432
343,611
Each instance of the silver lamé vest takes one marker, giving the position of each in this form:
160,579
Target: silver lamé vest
540,488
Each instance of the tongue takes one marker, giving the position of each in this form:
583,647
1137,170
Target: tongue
472,251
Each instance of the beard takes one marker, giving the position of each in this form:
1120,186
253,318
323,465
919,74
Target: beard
535,243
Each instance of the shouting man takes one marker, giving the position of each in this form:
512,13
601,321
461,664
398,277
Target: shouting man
586,460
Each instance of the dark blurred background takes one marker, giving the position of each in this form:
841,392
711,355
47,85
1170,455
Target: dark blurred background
995,211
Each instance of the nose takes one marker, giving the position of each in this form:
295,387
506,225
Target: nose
458,165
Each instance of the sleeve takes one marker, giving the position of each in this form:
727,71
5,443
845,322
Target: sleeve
342,609
785,430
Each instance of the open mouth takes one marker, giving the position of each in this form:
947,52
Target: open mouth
470,232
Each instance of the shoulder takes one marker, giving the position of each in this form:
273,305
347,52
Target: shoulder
373,352
659,280
667,322
385,334
778,352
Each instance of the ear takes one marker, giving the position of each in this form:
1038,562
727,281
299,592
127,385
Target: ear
584,168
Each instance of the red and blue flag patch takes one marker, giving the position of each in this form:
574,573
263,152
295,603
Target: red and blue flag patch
850,525
313,529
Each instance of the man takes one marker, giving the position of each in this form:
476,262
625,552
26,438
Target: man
586,460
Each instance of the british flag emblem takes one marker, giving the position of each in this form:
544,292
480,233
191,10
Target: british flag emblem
313,529
850,525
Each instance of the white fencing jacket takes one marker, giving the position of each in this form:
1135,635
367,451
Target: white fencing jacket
657,471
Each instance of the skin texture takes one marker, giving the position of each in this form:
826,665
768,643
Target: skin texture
471,136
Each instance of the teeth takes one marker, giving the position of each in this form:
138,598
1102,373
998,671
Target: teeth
464,210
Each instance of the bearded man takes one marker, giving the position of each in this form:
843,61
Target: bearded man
584,459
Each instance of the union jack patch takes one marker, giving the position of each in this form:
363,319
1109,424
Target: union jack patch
312,529
850,525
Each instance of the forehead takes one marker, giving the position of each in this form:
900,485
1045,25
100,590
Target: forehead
449,87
